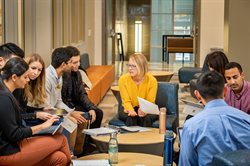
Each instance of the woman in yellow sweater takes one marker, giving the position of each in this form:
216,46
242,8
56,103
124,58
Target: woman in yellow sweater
137,83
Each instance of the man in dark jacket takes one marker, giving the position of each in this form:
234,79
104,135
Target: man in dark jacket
74,94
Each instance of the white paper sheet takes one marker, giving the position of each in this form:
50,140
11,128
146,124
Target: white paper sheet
99,131
68,124
102,162
135,128
148,107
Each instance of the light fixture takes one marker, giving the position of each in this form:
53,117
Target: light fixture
138,36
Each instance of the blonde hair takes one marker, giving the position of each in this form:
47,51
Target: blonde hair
35,91
141,64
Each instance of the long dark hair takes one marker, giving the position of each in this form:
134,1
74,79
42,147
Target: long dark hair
14,66
218,60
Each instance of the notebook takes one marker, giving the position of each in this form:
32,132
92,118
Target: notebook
51,130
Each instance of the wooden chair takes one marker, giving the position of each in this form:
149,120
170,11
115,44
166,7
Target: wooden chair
177,44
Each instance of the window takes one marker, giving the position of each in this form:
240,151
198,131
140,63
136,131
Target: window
169,17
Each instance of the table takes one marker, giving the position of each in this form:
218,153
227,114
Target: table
163,76
115,90
127,159
150,142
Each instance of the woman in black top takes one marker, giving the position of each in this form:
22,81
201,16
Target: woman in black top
17,146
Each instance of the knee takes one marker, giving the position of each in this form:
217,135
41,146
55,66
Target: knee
99,113
59,158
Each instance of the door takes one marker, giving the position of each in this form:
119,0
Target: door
196,33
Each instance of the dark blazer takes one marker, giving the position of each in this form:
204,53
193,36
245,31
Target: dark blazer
74,94
11,129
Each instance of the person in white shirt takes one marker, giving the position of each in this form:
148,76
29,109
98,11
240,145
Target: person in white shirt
60,63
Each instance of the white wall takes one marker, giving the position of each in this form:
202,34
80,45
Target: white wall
38,28
211,26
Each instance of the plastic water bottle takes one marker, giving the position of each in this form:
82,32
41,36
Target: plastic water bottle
113,149
168,148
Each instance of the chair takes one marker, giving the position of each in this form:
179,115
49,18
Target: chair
167,96
84,61
176,44
238,157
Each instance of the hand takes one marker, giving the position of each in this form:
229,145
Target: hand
49,122
43,115
141,113
78,116
132,113
48,109
93,115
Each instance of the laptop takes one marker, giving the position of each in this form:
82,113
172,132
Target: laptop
179,132
191,107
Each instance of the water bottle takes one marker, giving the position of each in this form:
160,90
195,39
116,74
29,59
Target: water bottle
168,148
113,149
162,120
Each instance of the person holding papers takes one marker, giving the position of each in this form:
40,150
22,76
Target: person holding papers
137,83
17,146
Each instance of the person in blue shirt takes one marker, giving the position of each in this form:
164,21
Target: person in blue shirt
218,128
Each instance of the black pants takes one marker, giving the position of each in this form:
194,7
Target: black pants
145,121
99,115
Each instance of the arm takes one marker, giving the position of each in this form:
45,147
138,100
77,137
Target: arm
126,99
10,122
152,90
188,153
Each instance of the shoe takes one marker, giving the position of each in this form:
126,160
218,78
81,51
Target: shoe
73,157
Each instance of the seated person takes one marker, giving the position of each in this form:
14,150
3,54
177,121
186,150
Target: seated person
18,146
238,89
8,51
218,128
74,94
33,98
61,62
216,61
137,83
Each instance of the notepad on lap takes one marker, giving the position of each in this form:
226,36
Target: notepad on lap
51,130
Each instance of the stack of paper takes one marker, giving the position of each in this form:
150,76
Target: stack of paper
99,131
90,162
135,128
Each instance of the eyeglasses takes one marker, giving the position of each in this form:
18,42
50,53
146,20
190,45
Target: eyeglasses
131,66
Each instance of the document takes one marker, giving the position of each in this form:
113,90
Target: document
135,128
102,162
69,124
99,131
148,107
192,108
